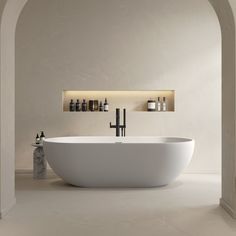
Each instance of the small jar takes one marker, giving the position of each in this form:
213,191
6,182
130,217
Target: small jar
91,105
151,105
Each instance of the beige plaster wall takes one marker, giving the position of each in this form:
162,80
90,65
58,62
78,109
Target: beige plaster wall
120,45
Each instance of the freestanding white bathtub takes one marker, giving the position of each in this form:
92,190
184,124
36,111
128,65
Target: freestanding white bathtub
118,161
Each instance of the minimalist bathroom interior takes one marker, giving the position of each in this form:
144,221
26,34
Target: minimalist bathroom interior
117,117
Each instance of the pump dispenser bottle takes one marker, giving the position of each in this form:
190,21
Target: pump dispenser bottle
78,105
72,105
84,105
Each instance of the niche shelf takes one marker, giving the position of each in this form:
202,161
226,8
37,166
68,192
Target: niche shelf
134,101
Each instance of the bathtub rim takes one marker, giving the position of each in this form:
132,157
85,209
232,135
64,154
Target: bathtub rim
117,140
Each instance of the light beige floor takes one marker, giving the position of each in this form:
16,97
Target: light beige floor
189,206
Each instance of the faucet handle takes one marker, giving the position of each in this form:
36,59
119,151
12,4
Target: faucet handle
112,126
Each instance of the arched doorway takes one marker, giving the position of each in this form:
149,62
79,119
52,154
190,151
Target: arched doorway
10,11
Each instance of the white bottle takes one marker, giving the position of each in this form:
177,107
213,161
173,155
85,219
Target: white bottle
164,104
158,104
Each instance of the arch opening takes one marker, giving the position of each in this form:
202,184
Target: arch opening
9,19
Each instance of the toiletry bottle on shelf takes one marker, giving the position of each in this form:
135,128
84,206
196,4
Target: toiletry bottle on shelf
100,106
72,105
37,139
42,137
96,105
78,105
164,104
151,105
158,104
84,105
91,105
106,105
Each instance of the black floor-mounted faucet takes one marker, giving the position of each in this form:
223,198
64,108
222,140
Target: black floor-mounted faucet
120,129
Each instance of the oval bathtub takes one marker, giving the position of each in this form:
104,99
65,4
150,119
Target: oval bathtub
118,161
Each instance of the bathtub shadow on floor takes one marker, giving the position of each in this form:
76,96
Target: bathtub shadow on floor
61,184
54,183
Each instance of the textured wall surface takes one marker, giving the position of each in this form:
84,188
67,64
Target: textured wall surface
9,12
120,45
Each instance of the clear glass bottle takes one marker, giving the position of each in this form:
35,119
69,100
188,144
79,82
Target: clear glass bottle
158,104
164,104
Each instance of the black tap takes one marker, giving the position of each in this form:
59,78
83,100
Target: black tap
123,127
119,127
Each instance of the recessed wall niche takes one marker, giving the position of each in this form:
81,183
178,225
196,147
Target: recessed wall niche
133,101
